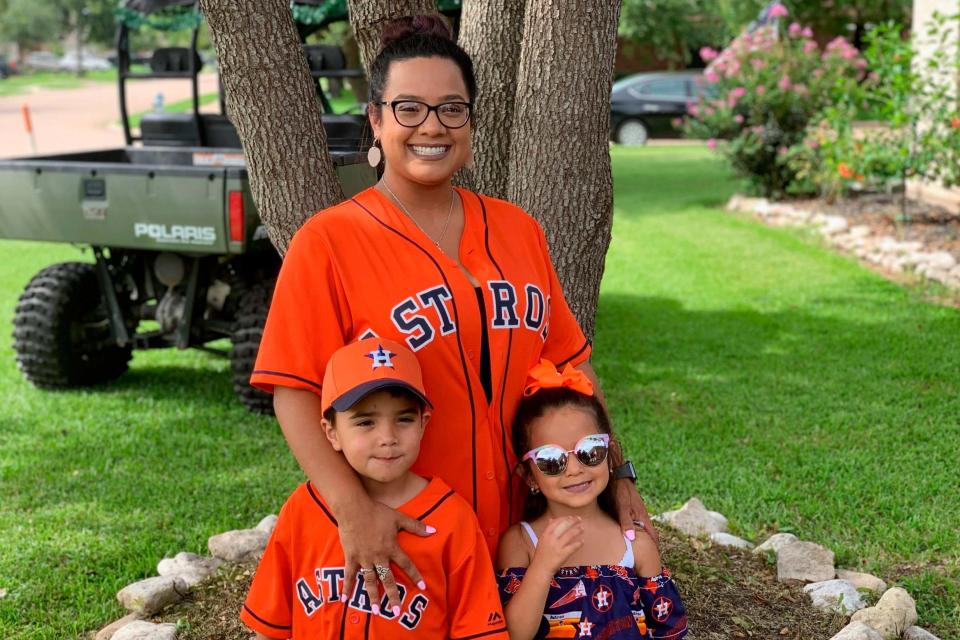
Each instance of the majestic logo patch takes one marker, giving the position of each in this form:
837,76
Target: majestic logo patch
381,357
494,618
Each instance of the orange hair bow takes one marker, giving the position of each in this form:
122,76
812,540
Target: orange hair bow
544,375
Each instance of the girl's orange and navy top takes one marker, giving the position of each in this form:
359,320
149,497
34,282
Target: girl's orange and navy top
363,268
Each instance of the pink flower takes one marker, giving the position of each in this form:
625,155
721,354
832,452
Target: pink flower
807,32
707,54
809,47
738,119
711,76
758,64
812,143
794,29
738,92
693,110
818,73
709,111
784,83
782,150
760,90
778,11
712,143
801,89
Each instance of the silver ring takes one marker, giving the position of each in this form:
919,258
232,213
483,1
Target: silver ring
364,572
381,571
639,523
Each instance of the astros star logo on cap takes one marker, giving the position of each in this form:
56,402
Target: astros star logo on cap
381,357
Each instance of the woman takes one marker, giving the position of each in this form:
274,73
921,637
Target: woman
465,280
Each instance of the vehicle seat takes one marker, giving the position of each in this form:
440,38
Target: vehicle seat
324,57
173,60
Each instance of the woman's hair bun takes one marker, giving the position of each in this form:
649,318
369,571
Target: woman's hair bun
408,26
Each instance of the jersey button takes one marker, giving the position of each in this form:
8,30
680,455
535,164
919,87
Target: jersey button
470,354
491,532
354,618
490,475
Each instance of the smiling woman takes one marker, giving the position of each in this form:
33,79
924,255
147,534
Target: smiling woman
465,281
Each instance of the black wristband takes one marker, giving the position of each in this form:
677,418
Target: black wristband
626,471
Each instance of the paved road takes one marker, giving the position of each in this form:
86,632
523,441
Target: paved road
84,118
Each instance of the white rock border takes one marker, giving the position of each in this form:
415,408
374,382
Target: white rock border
829,589
892,616
882,251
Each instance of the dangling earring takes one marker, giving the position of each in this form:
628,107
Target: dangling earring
534,490
374,155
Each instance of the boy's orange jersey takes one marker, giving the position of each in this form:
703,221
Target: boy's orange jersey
363,268
296,589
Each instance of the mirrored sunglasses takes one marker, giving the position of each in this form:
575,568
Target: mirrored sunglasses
551,459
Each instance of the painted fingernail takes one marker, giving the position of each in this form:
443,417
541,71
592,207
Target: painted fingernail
431,529
421,585
376,609
631,536
343,597
396,609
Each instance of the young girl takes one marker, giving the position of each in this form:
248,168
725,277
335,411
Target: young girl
567,570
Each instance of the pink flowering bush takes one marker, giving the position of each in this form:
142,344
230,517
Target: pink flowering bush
765,88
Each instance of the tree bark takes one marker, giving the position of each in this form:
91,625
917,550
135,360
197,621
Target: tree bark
351,51
490,32
560,155
367,18
272,102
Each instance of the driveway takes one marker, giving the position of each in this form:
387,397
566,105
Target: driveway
84,118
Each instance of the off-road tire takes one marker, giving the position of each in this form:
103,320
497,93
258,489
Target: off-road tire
251,315
61,330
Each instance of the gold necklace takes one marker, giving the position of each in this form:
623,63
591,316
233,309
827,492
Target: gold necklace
414,220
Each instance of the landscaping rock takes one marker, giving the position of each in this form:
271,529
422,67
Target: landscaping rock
108,631
857,631
917,633
267,524
149,596
193,569
694,519
729,540
140,630
835,596
776,542
805,561
862,580
239,545
893,613
860,231
833,225
941,260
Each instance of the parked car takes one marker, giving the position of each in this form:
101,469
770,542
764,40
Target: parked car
89,62
6,69
644,105
42,61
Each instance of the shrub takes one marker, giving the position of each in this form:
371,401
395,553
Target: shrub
766,87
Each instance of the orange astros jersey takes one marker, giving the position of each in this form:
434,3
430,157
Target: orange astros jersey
296,590
363,268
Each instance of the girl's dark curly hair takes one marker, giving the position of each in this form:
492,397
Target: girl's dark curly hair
536,406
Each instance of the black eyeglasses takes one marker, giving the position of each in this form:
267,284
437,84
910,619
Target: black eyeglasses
412,113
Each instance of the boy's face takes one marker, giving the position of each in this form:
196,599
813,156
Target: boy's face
380,435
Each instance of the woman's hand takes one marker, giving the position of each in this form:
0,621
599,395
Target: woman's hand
633,512
559,540
368,534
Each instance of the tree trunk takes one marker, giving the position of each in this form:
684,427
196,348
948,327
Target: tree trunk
490,32
367,18
351,51
560,156
272,102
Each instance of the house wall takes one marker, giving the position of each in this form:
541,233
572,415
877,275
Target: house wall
923,11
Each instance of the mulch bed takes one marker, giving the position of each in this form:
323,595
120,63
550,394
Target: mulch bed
888,215
728,594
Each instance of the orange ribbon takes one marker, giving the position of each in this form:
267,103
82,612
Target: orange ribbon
544,375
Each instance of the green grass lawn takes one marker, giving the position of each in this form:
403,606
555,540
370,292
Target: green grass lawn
786,386
24,82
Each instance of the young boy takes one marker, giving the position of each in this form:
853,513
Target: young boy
375,410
